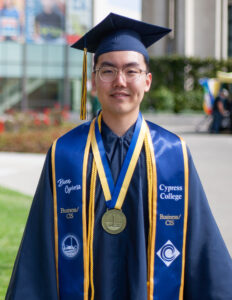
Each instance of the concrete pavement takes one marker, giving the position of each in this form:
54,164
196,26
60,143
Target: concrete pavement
212,155
20,171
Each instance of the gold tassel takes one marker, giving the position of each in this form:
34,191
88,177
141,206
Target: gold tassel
84,87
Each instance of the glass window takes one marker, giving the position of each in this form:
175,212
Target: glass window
35,54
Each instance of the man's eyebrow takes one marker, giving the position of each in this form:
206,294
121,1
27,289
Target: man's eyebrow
109,64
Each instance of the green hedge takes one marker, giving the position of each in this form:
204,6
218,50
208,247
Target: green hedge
175,86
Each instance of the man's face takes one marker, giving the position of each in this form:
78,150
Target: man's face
120,96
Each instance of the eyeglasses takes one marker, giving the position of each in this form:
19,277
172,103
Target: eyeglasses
109,74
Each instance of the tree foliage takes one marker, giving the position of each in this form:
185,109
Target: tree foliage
175,86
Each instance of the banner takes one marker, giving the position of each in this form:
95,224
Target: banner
45,21
224,77
11,20
211,88
78,19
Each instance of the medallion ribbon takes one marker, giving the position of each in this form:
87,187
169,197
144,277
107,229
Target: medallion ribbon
115,194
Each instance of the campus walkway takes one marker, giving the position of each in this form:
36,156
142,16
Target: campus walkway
212,155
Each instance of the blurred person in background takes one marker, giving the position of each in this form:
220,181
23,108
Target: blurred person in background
219,110
95,104
10,22
50,23
228,107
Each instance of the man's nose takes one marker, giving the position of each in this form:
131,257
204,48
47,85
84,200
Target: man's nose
120,78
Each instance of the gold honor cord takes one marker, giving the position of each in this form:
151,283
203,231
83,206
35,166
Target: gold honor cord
130,171
149,186
100,169
85,238
55,214
91,225
152,205
186,178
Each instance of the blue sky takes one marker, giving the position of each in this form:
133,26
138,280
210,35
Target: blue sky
128,8
126,4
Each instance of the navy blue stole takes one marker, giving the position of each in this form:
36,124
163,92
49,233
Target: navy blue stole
167,261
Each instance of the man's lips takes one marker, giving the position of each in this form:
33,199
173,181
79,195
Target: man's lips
119,94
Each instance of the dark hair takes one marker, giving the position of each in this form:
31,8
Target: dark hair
96,58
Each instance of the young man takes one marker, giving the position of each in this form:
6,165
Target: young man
120,212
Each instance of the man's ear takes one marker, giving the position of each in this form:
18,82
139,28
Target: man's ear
148,82
93,77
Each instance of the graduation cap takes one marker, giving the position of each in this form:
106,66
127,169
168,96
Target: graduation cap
116,33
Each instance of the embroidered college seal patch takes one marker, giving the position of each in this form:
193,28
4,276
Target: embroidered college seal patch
70,246
168,253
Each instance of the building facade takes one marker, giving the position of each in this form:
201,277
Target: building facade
199,28
38,68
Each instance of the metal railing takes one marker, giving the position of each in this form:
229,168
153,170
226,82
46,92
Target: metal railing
12,94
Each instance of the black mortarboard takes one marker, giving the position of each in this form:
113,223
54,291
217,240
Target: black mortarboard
118,33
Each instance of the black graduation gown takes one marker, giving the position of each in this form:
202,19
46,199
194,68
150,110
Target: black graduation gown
120,265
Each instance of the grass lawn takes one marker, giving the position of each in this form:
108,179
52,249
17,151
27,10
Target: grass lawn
14,208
